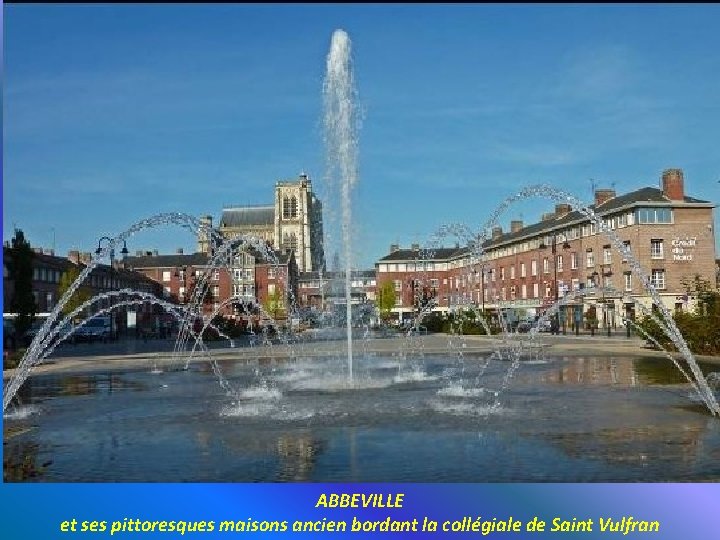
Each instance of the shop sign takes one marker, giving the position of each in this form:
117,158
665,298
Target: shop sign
683,248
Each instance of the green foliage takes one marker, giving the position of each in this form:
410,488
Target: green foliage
81,295
700,328
21,271
11,359
274,303
385,299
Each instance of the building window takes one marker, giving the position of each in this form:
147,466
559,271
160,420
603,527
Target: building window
575,284
653,215
628,281
546,265
656,249
533,268
286,207
271,272
398,285
590,259
535,290
658,279
502,273
608,282
522,269
166,275
216,291
626,250
607,255
512,272
573,261
559,262
547,290
523,291
434,283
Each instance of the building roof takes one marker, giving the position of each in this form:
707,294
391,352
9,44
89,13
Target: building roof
244,216
427,254
167,261
643,195
314,275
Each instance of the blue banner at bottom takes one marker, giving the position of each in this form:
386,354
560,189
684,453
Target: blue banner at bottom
513,511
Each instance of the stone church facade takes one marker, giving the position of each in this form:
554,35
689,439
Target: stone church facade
292,222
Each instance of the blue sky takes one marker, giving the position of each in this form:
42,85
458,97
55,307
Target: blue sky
114,113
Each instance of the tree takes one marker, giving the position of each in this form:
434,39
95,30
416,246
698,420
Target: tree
274,302
20,268
82,294
385,299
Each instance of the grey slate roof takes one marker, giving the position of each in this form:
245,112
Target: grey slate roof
648,194
167,261
315,275
243,216
431,254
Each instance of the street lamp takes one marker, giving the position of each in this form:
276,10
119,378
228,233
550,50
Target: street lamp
553,247
124,253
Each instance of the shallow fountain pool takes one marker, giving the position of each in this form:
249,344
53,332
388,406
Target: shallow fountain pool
572,419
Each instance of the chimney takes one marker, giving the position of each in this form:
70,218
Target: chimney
516,225
673,184
38,250
179,251
562,209
155,253
85,257
496,232
547,216
74,256
394,248
603,195
415,247
139,253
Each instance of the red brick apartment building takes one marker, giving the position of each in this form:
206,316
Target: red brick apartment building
47,270
527,268
250,279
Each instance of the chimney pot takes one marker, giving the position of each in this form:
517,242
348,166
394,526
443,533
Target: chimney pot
496,232
516,225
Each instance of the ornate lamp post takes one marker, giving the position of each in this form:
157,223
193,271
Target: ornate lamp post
124,253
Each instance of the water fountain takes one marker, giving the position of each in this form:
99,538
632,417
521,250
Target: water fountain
341,147
411,408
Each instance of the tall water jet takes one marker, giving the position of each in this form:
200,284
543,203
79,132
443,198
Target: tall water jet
340,113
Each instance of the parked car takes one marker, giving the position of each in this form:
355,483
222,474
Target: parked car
96,329
30,334
524,327
544,325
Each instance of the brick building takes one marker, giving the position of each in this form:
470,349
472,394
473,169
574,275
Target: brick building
526,269
250,279
47,271
318,289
